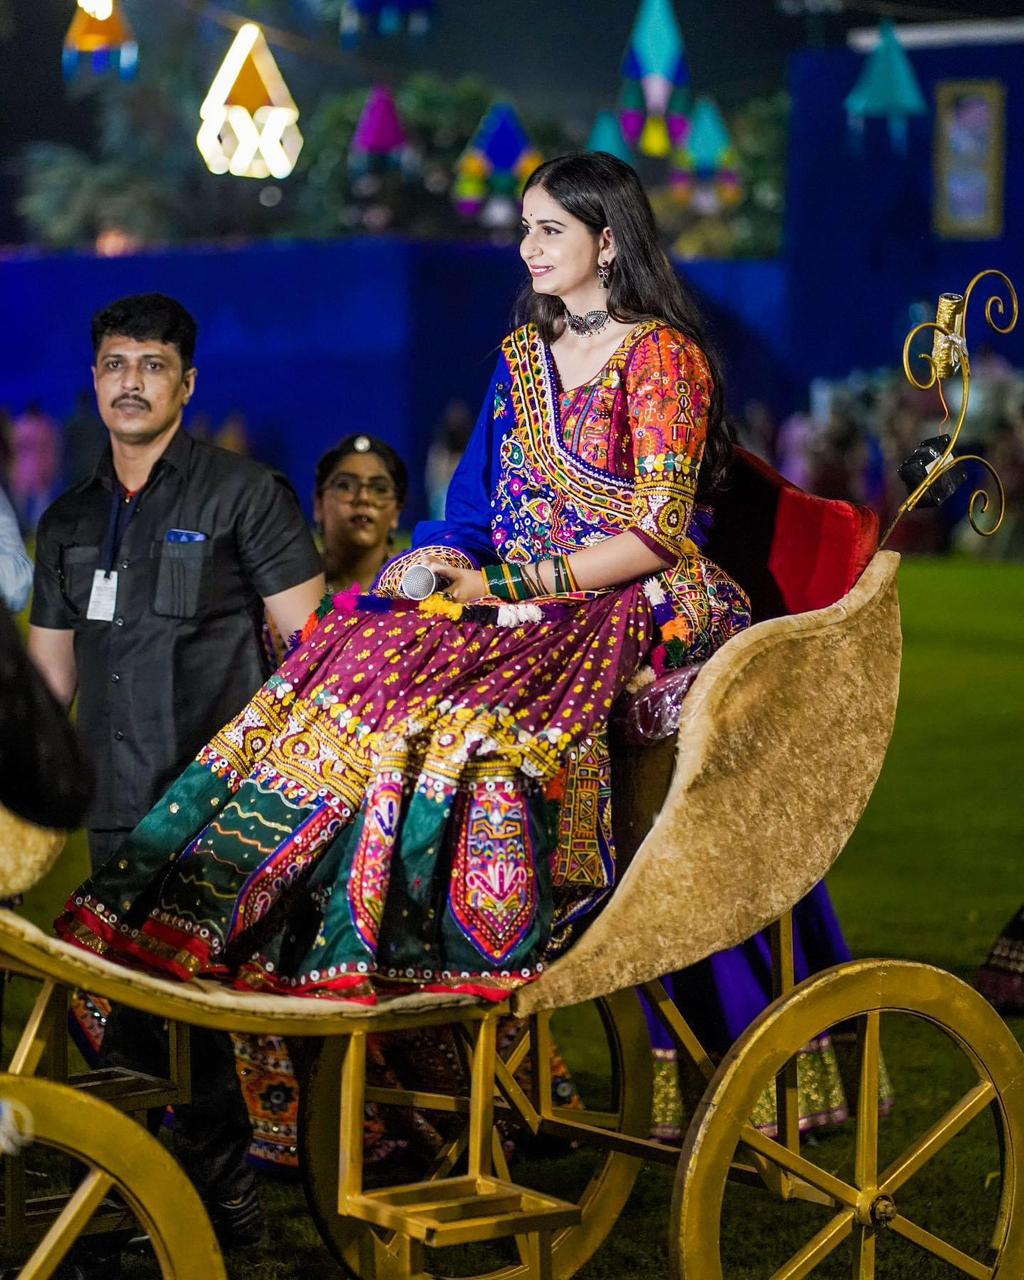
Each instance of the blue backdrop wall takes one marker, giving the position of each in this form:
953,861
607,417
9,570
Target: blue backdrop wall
313,340
860,246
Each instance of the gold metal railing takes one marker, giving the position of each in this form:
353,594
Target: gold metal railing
949,356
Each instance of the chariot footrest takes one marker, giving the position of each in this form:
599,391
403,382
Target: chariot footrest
127,1090
465,1210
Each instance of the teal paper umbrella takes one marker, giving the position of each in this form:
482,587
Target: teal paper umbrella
887,87
606,135
653,104
705,170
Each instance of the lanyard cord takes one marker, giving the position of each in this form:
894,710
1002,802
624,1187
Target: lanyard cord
123,507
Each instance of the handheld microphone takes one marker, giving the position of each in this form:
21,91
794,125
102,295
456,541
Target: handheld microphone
418,582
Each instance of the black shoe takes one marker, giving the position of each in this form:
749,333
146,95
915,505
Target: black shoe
238,1223
86,1261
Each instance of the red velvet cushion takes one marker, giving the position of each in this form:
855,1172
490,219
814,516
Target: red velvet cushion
789,550
820,548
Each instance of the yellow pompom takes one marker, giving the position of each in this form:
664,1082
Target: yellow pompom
437,606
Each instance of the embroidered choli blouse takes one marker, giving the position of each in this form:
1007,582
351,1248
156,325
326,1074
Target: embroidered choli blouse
549,470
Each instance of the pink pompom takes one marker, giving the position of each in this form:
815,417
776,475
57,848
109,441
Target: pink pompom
345,601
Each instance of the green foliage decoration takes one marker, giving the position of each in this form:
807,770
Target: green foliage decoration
759,129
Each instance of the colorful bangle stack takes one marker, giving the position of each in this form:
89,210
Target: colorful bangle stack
505,582
516,582
565,579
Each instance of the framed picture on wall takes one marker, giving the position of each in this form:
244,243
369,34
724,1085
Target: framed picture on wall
969,161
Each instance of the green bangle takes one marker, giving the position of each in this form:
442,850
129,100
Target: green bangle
532,578
507,581
520,591
497,582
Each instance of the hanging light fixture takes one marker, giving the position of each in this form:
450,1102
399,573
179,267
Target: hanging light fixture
379,138
606,135
100,31
250,120
887,87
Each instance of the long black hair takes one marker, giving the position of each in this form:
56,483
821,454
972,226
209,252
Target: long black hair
602,191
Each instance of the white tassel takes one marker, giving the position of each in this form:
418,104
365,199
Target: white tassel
514,615
654,591
17,1128
640,679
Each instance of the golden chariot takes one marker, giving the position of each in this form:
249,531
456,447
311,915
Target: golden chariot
722,827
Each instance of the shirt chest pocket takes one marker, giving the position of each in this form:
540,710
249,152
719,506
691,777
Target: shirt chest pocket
78,567
182,583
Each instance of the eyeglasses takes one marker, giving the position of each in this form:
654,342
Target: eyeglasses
378,489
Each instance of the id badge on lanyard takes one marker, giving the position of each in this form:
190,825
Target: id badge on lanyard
103,596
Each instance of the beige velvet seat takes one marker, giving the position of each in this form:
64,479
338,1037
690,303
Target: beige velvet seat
781,740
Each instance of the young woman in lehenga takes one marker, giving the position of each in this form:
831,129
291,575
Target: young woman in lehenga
418,799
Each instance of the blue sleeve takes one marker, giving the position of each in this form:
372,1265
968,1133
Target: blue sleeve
15,566
467,511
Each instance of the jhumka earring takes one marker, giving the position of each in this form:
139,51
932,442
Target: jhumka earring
604,272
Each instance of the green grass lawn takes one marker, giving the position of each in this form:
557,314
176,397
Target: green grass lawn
931,874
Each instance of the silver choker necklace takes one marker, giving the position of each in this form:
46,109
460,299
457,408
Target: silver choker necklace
584,326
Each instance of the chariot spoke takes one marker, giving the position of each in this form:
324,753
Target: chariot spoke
830,1237
940,1249
864,1254
866,1163
956,1119
793,1162
67,1226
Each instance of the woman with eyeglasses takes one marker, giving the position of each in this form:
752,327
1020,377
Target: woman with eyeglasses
360,488
417,800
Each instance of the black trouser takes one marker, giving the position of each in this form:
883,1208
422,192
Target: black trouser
211,1133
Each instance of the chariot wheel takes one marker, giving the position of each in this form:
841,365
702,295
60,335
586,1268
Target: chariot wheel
874,1201
113,1176
606,1088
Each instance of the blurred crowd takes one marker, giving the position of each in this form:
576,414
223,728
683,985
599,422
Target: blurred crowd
853,435
847,443
41,456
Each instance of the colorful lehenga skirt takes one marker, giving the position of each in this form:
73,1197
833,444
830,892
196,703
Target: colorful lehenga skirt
1001,978
377,820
